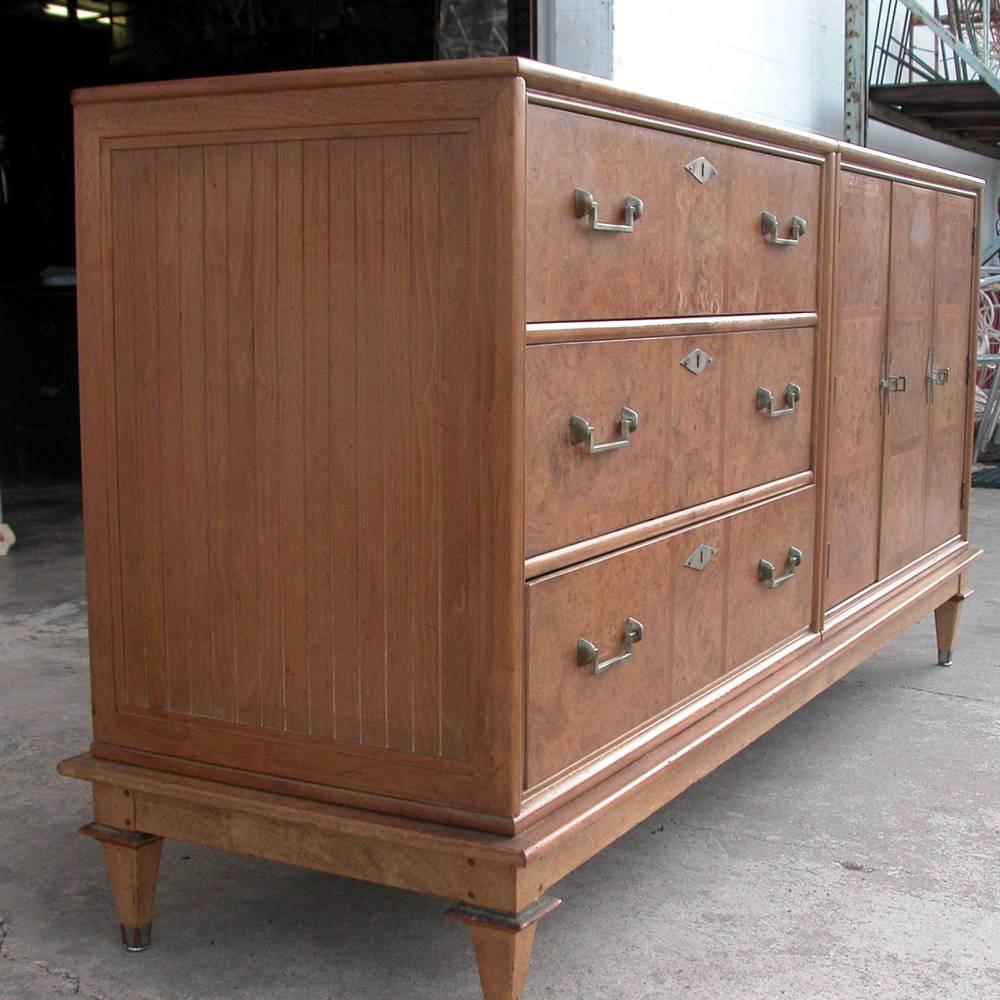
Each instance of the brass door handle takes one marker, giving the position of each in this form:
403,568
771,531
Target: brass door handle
766,571
769,227
888,383
588,655
765,400
936,376
586,208
581,431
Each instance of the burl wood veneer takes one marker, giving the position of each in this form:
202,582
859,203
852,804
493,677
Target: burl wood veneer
477,454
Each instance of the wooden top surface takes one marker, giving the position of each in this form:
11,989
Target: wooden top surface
538,77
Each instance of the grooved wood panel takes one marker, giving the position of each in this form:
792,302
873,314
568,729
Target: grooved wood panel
299,335
698,248
856,423
911,323
949,403
272,419
699,625
700,436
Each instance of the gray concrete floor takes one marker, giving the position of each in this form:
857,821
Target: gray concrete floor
850,853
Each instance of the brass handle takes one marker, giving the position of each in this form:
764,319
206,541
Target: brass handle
588,655
887,383
769,227
586,208
935,376
894,383
765,400
581,431
766,571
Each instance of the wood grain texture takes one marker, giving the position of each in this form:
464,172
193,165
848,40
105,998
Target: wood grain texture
949,403
575,87
697,248
599,545
911,324
368,844
502,956
571,494
303,521
856,422
698,625
862,159
756,448
700,436
132,872
946,618
758,617
827,263
304,340
588,822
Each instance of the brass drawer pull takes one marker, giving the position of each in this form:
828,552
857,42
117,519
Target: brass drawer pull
587,654
765,400
582,432
769,227
766,571
586,208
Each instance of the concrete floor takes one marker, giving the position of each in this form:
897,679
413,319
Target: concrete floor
850,853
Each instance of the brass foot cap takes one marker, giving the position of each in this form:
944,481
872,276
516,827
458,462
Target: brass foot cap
136,938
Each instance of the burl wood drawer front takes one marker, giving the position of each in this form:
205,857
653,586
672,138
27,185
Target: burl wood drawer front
707,599
712,415
698,246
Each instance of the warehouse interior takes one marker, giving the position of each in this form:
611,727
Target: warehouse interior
874,840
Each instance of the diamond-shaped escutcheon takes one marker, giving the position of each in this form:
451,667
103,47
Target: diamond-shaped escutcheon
701,557
697,361
701,170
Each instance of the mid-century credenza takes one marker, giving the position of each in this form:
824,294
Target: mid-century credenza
478,454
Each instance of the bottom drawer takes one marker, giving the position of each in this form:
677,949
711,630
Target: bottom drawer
667,618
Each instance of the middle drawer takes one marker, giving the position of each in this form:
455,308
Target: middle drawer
687,419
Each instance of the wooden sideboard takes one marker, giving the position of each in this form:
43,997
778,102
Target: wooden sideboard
478,454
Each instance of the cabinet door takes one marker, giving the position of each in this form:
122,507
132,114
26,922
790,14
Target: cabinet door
855,421
946,384
911,319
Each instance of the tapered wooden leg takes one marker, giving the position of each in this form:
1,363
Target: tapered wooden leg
946,623
133,862
503,944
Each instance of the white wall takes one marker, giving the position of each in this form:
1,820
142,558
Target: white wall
894,140
780,60
777,60
577,34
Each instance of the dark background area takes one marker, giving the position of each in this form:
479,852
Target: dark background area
43,57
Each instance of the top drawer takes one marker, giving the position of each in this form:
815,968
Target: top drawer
697,248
